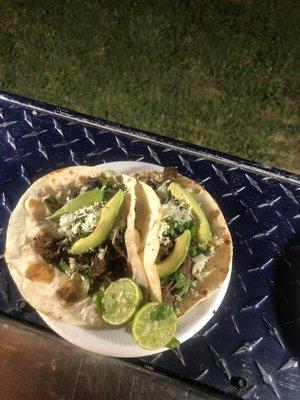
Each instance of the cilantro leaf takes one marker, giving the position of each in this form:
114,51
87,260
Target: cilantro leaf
193,227
182,283
64,266
86,272
97,299
173,343
175,228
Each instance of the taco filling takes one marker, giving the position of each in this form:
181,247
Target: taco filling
90,228
177,218
186,241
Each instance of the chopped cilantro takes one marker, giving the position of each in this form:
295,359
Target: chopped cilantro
51,202
194,228
64,266
195,248
86,272
181,283
97,299
176,228
93,288
173,343
81,233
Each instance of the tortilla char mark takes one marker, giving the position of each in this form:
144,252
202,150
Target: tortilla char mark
43,273
35,208
71,290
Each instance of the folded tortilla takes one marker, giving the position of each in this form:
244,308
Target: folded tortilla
46,287
148,221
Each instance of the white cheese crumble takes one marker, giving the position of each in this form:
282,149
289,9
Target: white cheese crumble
165,240
199,270
162,229
174,211
85,220
73,264
177,297
101,253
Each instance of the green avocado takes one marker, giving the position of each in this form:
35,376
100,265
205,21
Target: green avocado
106,222
84,199
181,194
176,257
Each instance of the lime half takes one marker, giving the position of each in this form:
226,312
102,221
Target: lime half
120,301
154,325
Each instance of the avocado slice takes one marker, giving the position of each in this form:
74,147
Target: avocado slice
176,257
181,194
84,199
105,224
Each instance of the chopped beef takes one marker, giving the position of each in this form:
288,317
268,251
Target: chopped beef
187,267
98,267
84,259
165,250
49,248
116,264
52,203
119,268
170,174
111,267
167,296
147,177
93,183
89,185
118,244
74,192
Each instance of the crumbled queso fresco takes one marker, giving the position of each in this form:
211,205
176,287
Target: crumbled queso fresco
83,220
101,253
173,211
177,212
199,270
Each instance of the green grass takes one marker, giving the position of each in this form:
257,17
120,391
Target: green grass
218,73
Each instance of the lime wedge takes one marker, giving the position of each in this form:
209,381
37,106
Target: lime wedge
154,325
120,301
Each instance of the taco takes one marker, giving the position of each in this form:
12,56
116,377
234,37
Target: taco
187,247
71,234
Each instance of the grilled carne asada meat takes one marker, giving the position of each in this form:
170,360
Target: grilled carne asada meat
49,248
98,267
167,296
187,267
170,174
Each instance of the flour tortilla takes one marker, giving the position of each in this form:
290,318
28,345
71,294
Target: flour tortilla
219,263
38,281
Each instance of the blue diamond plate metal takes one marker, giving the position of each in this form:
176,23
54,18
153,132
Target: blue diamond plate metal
255,333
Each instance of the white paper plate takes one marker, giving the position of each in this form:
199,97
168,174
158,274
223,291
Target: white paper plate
119,342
